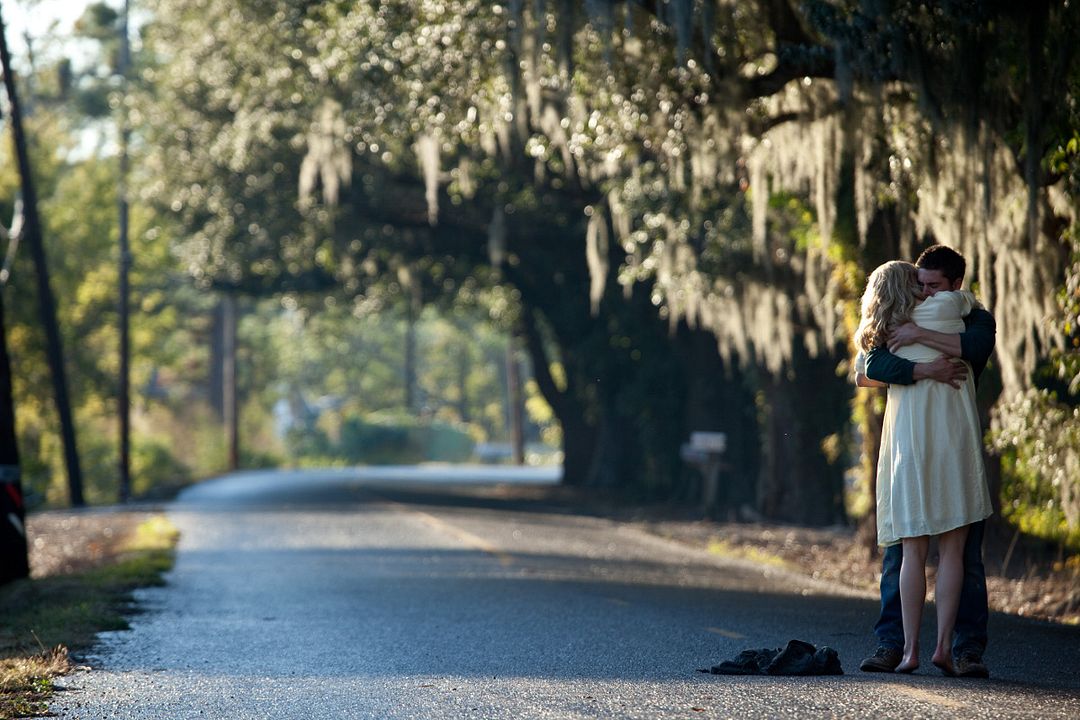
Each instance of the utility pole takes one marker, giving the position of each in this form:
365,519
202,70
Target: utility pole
124,385
515,401
414,302
231,396
46,302
410,357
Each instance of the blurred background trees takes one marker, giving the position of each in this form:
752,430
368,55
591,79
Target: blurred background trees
667,207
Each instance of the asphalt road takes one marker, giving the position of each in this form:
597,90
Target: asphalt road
396,593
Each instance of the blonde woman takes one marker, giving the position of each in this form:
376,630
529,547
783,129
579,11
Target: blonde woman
931,480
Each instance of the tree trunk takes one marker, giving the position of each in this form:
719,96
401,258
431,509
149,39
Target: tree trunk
463,369
579,443
872,406
124,380
578,433
216,372
720,399
987,392
622,407
631,364
14,562
802,478
413,306
46,302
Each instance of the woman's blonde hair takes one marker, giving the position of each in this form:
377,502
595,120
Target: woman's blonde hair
892,292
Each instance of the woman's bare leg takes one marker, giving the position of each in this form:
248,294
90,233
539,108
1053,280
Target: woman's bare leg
912,597
950,579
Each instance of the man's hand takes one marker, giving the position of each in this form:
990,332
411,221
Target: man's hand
945,370
907,334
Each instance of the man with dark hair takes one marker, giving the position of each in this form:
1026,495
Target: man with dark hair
939,268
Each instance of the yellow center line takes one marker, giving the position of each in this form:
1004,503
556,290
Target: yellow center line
726,633
474,541
928,697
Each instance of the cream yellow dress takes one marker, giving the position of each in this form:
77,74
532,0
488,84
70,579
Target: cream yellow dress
931,477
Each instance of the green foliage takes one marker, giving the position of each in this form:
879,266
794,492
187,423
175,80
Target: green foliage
383,439
78,206
353,357
155,464
1065,360
458,92
99,22
540,412
1038,433
304,163
1038,436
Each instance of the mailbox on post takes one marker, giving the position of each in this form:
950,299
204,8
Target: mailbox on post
705,451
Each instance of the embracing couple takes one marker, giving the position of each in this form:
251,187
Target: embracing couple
928,340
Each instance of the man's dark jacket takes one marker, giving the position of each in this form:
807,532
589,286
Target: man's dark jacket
976,345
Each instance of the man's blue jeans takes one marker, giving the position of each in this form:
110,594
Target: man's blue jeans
972,615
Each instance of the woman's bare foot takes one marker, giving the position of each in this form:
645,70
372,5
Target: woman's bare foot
908,664
943,662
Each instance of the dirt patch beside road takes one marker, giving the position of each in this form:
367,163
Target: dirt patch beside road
1038,584
63,542
1025,576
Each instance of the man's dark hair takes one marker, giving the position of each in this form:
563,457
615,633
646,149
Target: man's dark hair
950,263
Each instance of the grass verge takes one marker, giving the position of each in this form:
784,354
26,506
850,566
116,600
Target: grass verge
718,546
41,619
